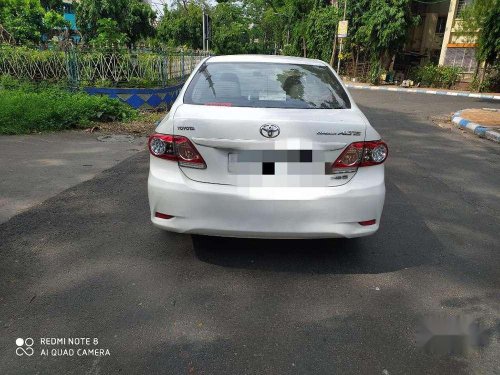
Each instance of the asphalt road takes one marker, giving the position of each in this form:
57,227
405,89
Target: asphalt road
36,167
87,263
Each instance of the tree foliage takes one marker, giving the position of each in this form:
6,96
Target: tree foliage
28,20
489,37
296,27
480,23
182,25
109,34
23,19
54,20
231,29
134,17
384,25
293,27
377,28
320,27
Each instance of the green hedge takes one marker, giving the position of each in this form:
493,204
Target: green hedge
26,108
436,76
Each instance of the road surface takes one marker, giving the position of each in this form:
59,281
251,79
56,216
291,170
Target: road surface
87,263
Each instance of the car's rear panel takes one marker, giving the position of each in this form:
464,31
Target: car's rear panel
236,153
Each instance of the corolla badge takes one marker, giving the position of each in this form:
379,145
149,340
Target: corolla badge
270,130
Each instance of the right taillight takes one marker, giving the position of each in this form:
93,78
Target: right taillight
375,152
360,154
176,148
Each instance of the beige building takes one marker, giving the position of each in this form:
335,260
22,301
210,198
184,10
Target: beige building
457,50
436,38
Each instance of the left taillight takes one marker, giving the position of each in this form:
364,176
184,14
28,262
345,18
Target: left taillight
176,148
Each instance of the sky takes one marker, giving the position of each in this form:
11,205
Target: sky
159,4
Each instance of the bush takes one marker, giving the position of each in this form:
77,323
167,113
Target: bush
436,76
491,81
48,109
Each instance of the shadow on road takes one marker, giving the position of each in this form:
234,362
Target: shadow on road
403,241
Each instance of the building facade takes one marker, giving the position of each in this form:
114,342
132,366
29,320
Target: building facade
69,12
437,38
457,50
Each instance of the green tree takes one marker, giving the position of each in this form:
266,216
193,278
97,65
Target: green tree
489,36
109,34
23,19
266,27
282,25
320,27
53,21
479,23
354,44
182,25
231,29
295,14
383,31
134,17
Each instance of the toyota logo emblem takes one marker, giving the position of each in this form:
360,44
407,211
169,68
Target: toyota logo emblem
270,130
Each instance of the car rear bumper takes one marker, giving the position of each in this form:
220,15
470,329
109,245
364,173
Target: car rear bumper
267,212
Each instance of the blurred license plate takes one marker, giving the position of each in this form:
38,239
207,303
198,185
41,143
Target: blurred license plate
271,162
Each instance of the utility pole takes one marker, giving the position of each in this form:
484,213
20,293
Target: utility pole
334,48
341,40
204,31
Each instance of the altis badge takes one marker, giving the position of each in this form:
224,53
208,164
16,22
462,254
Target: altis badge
353,133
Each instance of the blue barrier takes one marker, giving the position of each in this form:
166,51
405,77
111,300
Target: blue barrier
140,98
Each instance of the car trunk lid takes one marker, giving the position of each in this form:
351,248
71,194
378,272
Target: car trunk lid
244,146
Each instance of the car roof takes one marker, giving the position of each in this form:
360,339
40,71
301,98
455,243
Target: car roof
265,58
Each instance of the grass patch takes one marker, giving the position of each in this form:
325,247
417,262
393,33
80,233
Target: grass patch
27,108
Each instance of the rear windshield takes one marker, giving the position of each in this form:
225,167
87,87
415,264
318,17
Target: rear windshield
266,85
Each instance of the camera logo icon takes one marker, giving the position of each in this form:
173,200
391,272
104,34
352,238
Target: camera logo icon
24,346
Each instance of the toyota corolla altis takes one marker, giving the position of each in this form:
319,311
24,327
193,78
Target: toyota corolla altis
268,147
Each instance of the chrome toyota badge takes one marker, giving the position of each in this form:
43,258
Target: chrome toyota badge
270,130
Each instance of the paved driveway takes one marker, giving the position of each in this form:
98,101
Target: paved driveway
87,263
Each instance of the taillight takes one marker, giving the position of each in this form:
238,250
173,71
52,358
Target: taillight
360,154
375,152
176,148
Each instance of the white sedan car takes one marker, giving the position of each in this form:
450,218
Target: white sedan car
266,147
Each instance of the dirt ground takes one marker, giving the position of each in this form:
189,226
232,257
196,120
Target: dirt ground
489,117
143,126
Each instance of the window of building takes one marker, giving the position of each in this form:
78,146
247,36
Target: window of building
441,25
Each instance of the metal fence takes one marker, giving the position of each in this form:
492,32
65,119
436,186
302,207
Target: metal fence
91,67
361,70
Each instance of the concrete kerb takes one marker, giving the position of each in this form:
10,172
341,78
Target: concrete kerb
477,129
424,91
